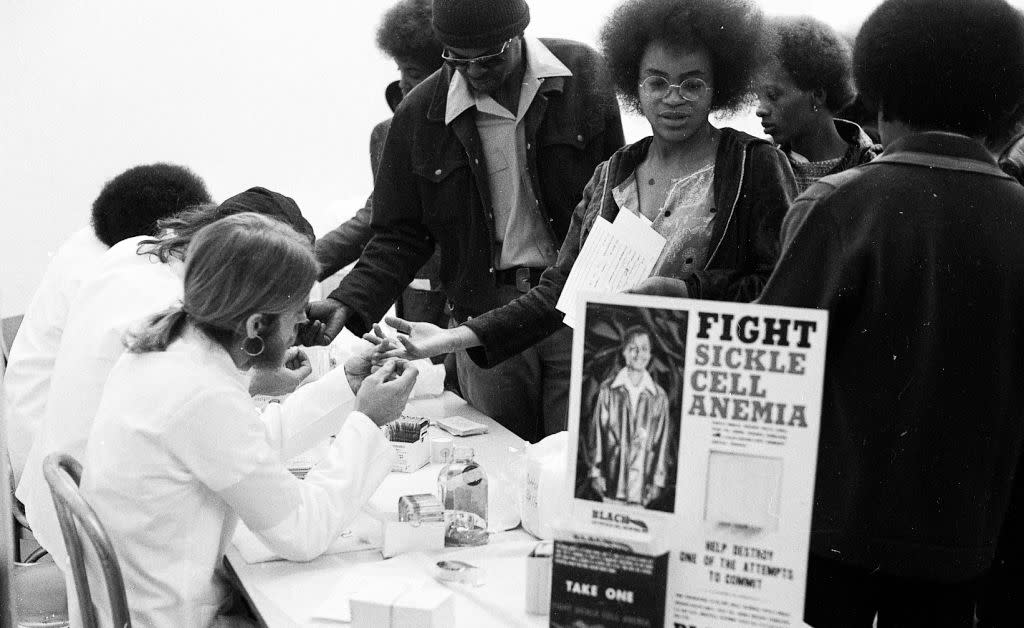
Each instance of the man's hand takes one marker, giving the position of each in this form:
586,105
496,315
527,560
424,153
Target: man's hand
662,287
384,393
326,320
283,380
420,340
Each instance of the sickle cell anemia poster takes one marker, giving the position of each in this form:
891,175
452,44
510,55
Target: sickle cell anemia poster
693,446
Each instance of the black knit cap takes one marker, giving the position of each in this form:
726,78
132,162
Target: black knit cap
268,203
479,23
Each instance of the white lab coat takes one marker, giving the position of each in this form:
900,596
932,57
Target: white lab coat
34,351
122,289
178,453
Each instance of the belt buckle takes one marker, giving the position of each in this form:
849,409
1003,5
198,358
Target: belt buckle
523,279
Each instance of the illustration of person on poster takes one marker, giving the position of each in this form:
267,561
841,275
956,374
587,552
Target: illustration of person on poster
628,449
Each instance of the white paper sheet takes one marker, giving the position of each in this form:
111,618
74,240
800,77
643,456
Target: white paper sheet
363,534
614,258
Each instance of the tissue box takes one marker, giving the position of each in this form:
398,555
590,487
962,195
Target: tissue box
411,456
405,607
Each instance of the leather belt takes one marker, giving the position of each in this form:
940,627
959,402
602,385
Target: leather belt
522,277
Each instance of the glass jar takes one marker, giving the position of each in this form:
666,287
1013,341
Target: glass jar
462,486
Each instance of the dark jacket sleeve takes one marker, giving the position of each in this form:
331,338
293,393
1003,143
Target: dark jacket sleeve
520,324
765,196
401,243
344,244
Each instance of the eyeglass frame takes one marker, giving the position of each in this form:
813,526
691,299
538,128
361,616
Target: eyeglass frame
677,86
485,61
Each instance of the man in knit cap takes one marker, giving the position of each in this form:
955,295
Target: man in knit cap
486,158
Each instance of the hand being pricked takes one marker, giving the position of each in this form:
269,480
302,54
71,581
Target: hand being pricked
414,340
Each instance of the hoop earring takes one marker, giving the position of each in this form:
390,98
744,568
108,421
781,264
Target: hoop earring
253,354
814,108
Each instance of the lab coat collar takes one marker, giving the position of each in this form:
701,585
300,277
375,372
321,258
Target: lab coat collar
206,350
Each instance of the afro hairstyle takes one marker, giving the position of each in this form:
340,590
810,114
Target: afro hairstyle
134,201
951,65
732,31
405,33
815,56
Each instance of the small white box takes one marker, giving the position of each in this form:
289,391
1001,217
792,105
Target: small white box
407,536
405,605
411,456
371,607
538,584
426,607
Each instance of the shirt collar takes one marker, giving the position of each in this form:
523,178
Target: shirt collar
541,64
646,382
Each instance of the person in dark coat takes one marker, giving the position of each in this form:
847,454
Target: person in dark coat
918,256
486,159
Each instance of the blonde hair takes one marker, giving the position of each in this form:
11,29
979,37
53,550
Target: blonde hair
238,266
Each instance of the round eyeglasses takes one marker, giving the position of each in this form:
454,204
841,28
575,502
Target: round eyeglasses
485,61
658,87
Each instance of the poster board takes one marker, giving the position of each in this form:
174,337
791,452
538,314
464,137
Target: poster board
693,439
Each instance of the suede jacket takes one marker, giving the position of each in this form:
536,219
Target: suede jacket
753,188
918,256
433,188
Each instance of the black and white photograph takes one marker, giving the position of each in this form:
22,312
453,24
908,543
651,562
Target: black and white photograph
246,244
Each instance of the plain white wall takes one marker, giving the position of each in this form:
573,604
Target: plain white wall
255,92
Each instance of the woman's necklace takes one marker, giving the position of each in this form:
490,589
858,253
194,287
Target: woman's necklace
660,176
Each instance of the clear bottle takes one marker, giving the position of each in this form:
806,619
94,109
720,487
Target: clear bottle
462,485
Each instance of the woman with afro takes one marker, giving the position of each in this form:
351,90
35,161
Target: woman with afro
717,195
808,78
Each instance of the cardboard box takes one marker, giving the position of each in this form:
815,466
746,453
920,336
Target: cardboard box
411,456
607,584
429,607
405,606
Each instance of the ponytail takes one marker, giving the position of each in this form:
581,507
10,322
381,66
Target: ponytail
156,332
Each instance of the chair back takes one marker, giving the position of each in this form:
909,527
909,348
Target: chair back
78,521
7,540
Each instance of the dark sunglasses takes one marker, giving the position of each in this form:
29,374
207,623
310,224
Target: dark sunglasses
484,61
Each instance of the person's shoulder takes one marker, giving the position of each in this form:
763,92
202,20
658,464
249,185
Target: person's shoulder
826,186
420,97
570,47
742,142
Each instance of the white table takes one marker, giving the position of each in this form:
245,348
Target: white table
285,594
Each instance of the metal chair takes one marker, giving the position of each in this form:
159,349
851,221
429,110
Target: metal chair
77,519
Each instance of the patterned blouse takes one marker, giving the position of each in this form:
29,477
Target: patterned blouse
684,220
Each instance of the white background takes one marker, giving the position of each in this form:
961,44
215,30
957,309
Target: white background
255,92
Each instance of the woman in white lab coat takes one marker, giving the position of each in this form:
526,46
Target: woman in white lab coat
178,453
